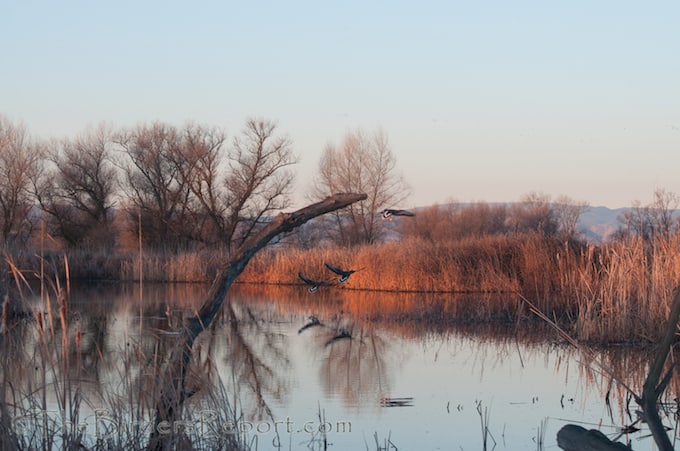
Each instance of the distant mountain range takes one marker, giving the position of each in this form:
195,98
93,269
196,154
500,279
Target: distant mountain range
598,224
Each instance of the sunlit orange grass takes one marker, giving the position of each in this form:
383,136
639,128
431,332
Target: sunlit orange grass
625,290
618,292
280,266
541,265
412,264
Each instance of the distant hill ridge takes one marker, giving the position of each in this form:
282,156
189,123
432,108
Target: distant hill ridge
599,224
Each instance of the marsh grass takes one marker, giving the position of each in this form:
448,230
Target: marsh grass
53,396
485,421
540,434
385,444
183,267
41,405
614,292
624,291
617,292
488,264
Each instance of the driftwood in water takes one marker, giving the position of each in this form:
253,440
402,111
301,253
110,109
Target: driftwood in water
173,394
576,438
572,437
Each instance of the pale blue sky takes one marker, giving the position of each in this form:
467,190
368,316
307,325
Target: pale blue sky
480,100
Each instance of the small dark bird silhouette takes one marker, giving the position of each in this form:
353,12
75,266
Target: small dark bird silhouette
313,321
388,213
313,284
344,274
342,334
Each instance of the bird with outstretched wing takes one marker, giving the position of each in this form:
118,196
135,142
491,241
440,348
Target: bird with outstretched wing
390,212
343,273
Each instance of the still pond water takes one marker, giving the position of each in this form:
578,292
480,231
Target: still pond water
395,384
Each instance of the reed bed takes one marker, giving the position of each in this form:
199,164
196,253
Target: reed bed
55,370
411,265
614,292
184,267
617,292
624,290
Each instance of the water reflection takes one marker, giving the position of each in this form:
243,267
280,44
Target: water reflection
368,352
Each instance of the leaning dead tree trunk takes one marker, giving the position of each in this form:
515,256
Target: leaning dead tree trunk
654,385
173,392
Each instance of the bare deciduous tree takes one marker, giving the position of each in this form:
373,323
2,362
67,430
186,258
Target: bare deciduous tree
665,204
258,182
235,191
198,159
433,223
480,219
78,192
190,188
656,220
19,166
457,221
567,214
155,192
637,221
534,214
362,163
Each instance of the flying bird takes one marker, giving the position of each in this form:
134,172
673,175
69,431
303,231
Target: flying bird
344,274
313,284
313,321
388,213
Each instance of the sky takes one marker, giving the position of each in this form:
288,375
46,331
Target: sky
481,101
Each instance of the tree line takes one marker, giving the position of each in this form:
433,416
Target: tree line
178,188
537,213
191,188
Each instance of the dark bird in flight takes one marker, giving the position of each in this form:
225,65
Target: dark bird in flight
388,213
313,321
313,284
344,274
342,334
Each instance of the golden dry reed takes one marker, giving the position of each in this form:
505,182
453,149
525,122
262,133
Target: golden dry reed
617,292
611,292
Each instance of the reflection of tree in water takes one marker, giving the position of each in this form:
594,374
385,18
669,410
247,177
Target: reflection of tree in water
17,363
354,367
248,339
255,353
